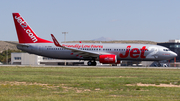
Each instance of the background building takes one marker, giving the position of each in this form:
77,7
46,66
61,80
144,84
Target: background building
32,59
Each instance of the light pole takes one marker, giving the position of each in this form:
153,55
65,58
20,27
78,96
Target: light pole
7,55
65,42
65,36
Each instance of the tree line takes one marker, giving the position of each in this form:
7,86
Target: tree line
6,55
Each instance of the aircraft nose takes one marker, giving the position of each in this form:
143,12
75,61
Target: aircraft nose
173,54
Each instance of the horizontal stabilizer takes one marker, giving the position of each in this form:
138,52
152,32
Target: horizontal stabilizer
24,45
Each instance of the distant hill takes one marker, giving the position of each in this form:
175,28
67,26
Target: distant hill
102,39
5,46
116,41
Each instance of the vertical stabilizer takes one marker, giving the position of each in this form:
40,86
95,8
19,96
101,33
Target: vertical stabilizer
24,32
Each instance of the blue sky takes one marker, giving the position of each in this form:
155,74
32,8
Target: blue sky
152,20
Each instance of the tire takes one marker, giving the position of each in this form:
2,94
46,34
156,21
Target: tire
89,63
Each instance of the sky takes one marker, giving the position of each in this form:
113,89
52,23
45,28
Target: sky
152,20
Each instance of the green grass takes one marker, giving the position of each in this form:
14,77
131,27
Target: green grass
87,84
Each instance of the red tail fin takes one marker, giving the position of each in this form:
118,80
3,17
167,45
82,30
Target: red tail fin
24,32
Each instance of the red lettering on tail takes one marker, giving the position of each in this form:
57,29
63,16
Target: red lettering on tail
24,32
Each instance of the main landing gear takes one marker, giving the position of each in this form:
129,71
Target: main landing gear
91,63
158,64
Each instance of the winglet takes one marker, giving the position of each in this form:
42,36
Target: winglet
55,41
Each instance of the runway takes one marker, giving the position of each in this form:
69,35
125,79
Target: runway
99,66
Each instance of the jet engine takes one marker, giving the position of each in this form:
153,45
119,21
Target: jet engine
108,59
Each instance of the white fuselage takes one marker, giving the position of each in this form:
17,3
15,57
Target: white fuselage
140,52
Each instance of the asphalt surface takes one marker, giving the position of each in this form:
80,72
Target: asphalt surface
99,66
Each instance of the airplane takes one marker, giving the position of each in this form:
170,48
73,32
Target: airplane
106,53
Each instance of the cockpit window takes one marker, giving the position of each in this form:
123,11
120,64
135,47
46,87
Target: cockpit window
165,49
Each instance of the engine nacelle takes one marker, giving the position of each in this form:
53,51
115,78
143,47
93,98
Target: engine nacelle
108,59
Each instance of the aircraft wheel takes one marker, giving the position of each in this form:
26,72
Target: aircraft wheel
89,63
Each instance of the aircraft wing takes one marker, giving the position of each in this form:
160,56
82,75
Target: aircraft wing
84,53
24,45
